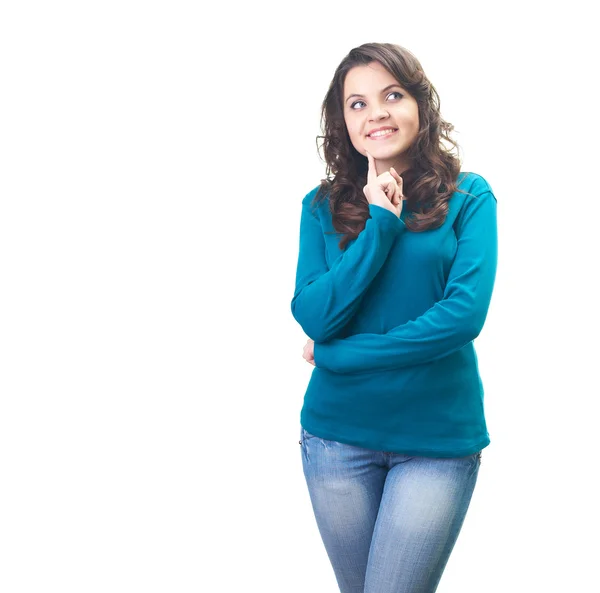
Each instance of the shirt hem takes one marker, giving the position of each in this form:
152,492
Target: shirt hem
416,451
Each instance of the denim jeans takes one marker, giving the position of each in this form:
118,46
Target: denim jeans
388,521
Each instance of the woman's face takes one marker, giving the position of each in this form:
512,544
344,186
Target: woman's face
381,117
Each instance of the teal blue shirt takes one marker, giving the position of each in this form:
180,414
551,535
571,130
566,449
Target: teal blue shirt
393,317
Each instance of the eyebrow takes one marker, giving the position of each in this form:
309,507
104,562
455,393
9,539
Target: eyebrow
387,88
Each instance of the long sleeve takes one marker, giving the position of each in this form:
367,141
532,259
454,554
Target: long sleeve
446,327
326,299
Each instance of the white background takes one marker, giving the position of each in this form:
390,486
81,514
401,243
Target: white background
153,160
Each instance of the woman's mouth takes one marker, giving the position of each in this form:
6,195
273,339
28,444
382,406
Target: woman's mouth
382,134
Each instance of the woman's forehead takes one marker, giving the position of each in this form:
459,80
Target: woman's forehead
368,75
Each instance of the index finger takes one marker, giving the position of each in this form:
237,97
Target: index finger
395,175
372,172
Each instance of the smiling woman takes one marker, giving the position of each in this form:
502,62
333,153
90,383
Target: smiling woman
383,87
396,267
384,120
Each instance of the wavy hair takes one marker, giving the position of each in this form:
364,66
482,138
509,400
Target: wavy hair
432,177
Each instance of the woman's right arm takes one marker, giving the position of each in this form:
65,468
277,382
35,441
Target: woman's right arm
326,299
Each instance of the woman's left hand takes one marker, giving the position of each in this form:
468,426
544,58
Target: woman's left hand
309,352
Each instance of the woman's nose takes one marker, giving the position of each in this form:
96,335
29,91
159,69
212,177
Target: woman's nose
378,112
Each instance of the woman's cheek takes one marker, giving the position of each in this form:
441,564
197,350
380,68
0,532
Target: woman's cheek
356,140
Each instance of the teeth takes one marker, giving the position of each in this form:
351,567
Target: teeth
382,133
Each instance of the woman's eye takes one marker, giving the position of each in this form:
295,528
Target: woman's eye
353,106
360,104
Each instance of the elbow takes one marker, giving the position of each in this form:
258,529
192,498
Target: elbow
316,331
470,318
322,334
473,332
464,334
312,326
315,328
473,327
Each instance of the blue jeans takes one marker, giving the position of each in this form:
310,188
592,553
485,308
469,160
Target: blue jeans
388,521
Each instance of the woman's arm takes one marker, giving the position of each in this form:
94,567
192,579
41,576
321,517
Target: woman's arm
326,299
450,324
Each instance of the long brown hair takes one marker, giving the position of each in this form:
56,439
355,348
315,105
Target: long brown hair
434,167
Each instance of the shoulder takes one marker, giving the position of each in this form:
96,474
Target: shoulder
475,185
311,195
475,200
316,200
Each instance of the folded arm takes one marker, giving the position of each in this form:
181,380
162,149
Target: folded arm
446,327
326,299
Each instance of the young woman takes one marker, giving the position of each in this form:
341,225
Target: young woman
396,267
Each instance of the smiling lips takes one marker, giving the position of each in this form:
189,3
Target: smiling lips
381,133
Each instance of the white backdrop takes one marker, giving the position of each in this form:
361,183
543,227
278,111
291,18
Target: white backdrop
153,160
